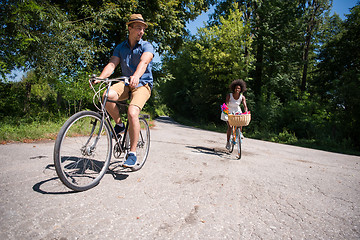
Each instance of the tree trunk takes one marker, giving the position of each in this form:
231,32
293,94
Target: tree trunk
27,98
305,61
315,8
259,68
259,56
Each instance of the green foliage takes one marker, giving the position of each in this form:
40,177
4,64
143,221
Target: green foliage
266,114
39,35
155,105
56,37
12,99
60,43
339,75
305,117
285,137
301,65
200,73
302,70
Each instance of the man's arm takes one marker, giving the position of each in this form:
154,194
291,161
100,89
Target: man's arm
145,59
110,67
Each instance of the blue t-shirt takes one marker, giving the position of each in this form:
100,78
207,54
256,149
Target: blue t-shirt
129,60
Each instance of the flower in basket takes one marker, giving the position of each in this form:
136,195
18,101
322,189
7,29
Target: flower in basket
225,109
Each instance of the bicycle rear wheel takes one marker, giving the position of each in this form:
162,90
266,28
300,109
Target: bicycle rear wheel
238,142
82,151
143,145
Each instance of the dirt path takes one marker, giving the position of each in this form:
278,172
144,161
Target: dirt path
190,188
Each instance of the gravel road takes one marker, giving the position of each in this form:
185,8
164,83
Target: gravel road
190,188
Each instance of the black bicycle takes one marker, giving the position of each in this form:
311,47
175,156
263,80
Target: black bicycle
84,145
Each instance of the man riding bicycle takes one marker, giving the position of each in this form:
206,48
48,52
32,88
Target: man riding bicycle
135,57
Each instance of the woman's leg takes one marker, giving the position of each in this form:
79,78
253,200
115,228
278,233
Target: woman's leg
228,132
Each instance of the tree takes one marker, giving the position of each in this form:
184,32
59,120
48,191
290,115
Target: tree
62,42
56,37
205,66
339,76
313,15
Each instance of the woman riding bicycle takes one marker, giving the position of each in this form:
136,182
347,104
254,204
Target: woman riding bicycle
233,101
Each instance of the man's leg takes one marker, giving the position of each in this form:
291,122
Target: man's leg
117,92
139,98
111,107
134,130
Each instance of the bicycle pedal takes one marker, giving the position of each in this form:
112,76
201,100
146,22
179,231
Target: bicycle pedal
116,151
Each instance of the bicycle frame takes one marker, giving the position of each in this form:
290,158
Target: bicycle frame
234,129
103,112
235,140
234,134
82,160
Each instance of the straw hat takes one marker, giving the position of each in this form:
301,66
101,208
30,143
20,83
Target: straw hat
136,18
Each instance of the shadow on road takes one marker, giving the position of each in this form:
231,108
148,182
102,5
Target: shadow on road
117,171
57,188
37,187
54,181
211,151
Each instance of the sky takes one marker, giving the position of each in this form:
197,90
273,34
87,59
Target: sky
341,7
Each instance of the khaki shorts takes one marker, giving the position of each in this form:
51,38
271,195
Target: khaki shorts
139,96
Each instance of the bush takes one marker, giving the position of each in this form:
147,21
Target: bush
286,137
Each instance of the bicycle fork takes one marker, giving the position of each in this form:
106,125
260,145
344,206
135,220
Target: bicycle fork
88,149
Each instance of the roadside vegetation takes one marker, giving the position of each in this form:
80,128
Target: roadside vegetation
300,62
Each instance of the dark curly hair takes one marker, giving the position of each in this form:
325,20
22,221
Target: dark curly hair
238,82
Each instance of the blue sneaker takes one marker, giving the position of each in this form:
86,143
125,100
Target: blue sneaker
119,130
130,161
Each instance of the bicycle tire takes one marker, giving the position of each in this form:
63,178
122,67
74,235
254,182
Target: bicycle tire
231,145
231,141
82,155
143,145
238,142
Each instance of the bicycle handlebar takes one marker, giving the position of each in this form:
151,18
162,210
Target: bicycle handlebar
104,83
125,79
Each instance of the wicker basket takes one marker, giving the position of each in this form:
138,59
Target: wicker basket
239,120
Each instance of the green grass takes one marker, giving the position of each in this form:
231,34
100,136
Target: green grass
14,130
28,130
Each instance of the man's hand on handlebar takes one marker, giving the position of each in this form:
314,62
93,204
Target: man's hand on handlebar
93,80
134,82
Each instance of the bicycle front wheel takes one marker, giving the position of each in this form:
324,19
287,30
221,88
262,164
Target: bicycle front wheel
82,151
231,149
232,140
143,144
238,142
